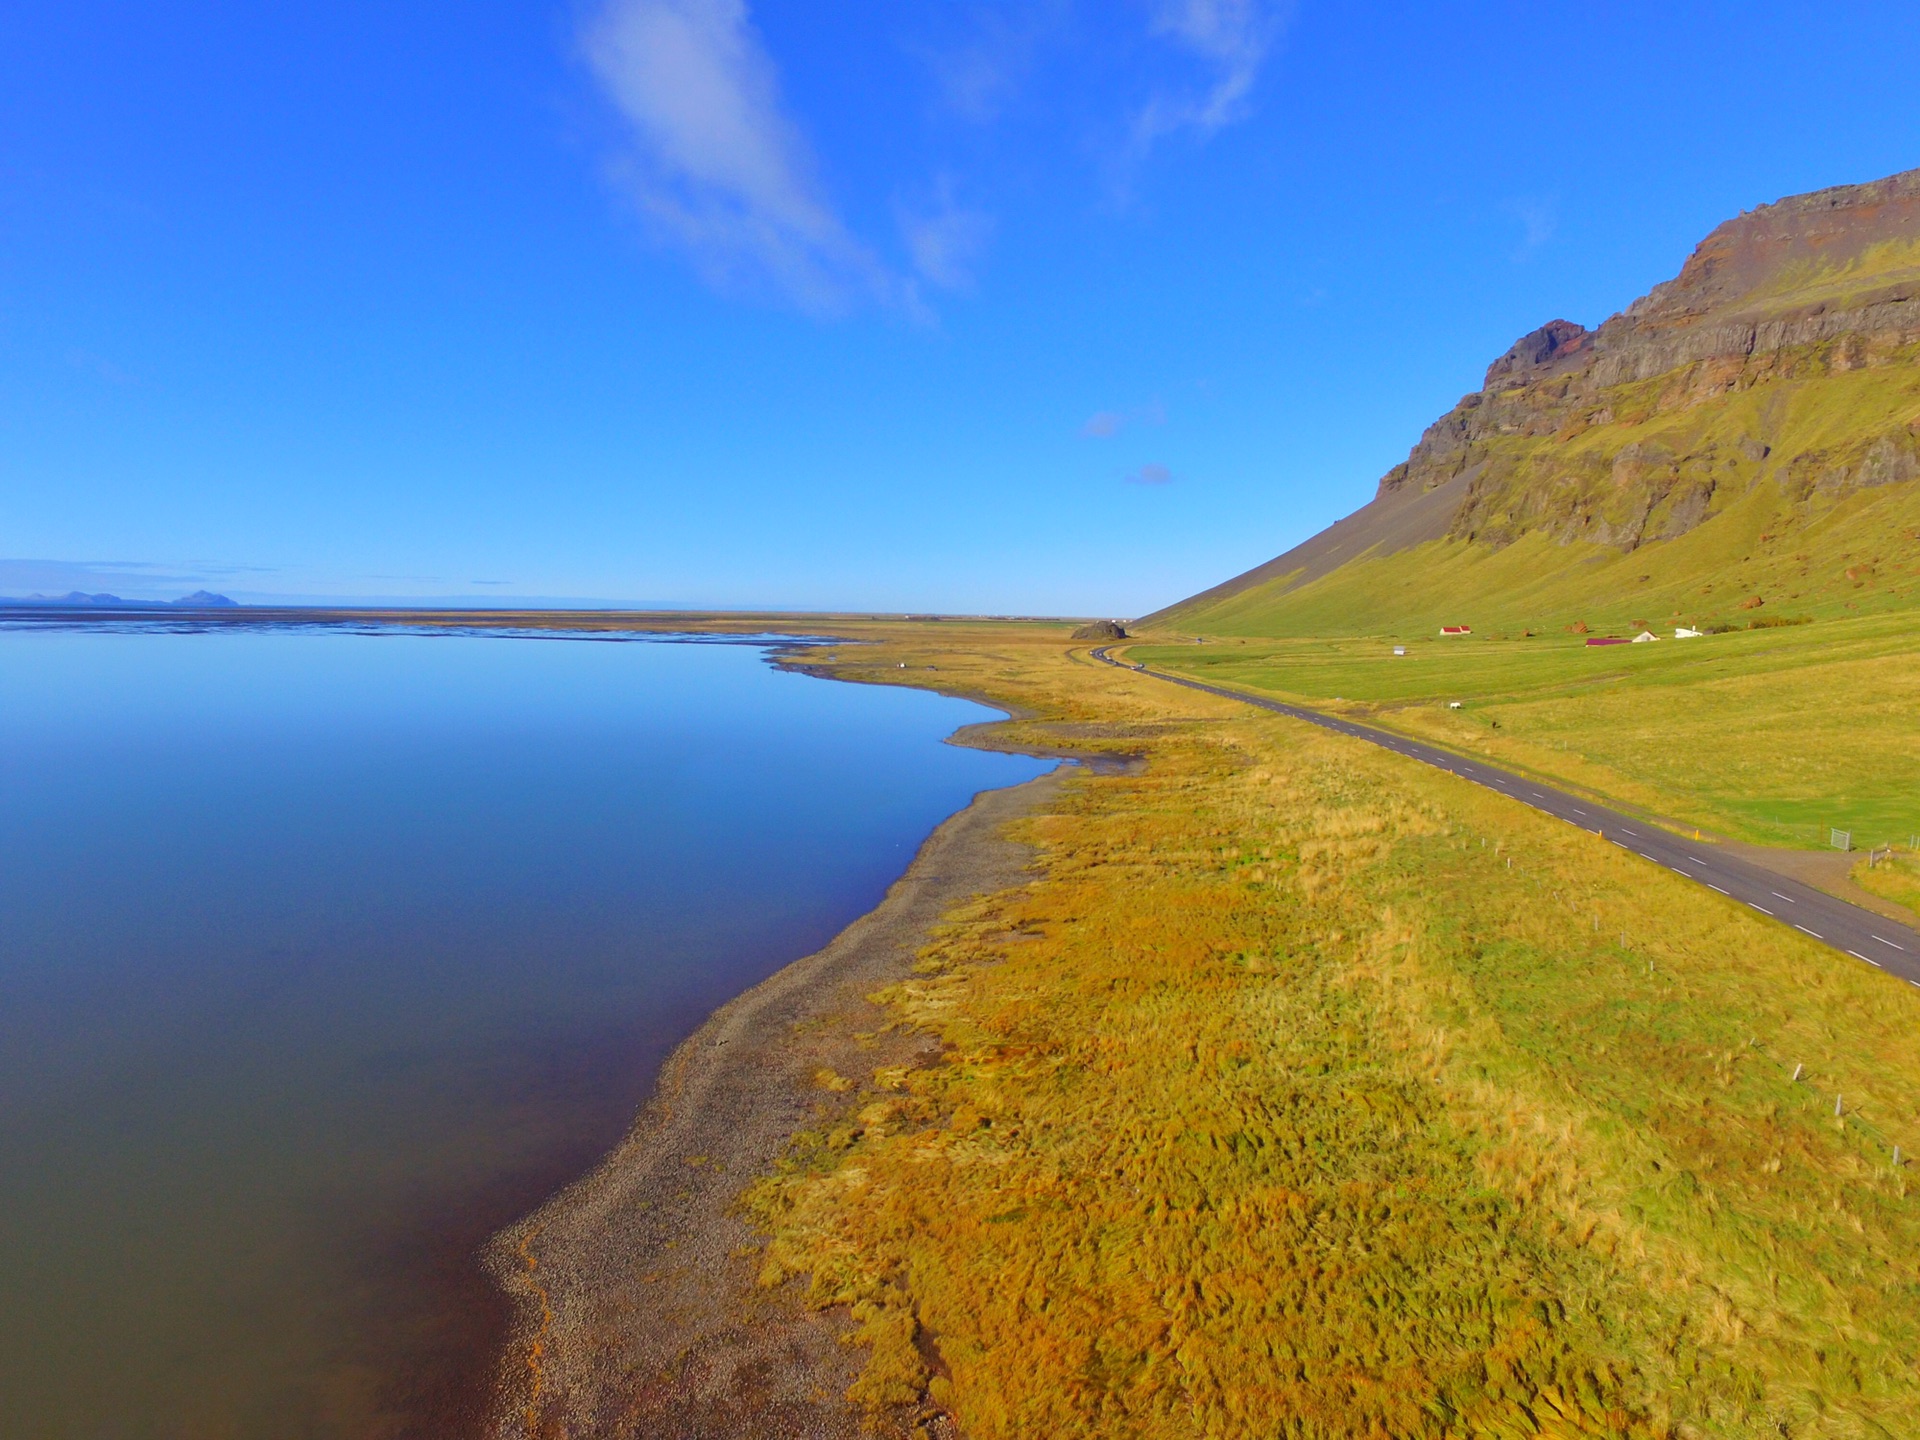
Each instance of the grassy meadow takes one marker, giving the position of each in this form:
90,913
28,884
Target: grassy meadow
1770,736
1308,1092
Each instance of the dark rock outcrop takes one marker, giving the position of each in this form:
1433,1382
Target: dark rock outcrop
1101,630
1555,347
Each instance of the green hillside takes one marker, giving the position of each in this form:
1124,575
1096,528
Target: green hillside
1742,445
1801,550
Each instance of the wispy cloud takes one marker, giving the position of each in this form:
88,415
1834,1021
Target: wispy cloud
1151,474
138,579
992,50
98,366
1104,424
1232,39
944,237
1538,219
715,162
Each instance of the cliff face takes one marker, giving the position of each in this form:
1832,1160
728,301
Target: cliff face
1779,368
1813,286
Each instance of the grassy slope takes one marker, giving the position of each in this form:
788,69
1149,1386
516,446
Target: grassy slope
1770,735
1309,1092
1895,878
1793,552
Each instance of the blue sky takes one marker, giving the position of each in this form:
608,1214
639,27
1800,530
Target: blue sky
1051,307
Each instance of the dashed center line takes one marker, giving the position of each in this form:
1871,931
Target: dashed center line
1761,908
1804,931
1712,886
1884,941
1868,958
1778,896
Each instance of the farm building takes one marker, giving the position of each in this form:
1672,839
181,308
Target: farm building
1644,636
1608,640
1456,629
1683,633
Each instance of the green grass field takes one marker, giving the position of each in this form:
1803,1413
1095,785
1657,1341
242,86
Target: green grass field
1770,736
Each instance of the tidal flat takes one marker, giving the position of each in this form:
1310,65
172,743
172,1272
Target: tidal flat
329,954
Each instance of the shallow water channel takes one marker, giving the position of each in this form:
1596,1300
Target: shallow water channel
324,954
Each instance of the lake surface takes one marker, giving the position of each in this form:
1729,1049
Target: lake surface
324,955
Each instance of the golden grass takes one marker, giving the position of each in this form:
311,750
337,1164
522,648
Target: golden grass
1308,1092
1895,877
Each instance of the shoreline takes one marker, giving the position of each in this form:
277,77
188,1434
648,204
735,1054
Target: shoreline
633,1295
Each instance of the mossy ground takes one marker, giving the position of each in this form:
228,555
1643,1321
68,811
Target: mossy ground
1308,1092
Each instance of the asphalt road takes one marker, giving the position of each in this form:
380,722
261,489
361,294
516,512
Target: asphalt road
1886,944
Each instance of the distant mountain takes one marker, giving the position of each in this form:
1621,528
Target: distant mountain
79,599
1747,432
76,597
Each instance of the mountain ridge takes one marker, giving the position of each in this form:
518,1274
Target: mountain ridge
1783,356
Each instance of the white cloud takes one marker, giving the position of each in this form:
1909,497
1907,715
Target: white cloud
1538,220
945,238
716,164
1232,38
1104,424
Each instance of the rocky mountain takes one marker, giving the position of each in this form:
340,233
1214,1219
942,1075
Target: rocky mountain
1780,369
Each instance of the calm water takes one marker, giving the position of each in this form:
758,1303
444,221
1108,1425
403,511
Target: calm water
324,955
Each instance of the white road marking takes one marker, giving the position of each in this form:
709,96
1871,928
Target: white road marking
1804,931
1712,886
1778,896
1578,811
1644,856
1884,941
1761,908
1858,956
1696,860
1630,832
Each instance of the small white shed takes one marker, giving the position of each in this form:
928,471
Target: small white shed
1644,636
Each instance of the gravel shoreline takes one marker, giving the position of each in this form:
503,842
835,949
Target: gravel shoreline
636,1309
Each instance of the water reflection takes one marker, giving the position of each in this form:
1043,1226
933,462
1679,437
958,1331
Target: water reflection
324,954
